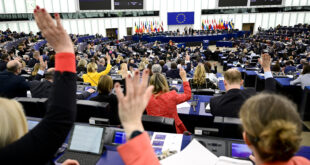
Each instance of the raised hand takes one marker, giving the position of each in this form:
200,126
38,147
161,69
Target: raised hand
265,61
183,74
132,105
55,34
42,63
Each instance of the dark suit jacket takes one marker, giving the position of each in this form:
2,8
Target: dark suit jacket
229,104
112,100
173,73
43,89
12,85
2,65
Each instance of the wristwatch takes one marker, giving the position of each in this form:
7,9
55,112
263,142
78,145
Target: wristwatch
135,133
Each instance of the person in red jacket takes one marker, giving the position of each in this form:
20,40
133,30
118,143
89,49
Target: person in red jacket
164,102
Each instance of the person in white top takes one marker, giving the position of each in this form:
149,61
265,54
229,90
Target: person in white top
304,78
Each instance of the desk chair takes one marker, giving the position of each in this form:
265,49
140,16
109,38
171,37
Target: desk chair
228,127
87,109
158,124
33,107
209,92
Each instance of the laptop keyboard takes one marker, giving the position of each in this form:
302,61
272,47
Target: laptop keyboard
82,158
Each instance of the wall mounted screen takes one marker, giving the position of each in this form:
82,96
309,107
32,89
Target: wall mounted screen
95,4
181,18
128,4
265,2
228,3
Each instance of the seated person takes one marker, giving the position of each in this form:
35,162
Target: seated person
289,67
104,88
304,78
274,139
211,73
156,68
81,66
199,80
92,76
101,65
229,104
173,72
11,84
164,102
5,58
17,145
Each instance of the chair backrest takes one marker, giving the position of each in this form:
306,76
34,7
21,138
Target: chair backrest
87,109
33,107
229,127
158,123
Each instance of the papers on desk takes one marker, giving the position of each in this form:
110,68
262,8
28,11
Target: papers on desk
162,142
183,108
183,105
208,107
197,154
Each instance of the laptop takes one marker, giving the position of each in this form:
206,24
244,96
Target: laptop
85,145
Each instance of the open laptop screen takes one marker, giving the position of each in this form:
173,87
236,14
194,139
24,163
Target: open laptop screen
86,139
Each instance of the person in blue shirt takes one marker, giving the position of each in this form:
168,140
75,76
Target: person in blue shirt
289,67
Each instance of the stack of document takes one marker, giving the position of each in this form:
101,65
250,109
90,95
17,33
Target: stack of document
197,154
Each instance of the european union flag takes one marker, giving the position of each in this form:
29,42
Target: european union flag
181,18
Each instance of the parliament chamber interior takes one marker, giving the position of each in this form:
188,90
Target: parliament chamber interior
155,82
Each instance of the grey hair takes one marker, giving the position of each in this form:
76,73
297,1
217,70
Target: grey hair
156,68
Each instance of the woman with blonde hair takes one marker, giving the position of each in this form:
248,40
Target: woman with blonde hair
164,102
35,69
92,76
199,78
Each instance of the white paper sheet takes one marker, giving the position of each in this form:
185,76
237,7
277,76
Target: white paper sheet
194,153
197,154
183,105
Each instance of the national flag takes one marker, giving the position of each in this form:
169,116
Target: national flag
202,26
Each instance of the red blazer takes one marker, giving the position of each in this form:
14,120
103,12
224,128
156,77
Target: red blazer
166,105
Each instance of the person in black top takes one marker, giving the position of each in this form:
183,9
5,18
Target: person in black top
11,84
34,60
40,144
173,72
228,105
3,61
105,86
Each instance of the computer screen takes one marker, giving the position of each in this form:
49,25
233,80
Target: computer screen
265,2
95,4
32,124
239,150
86,139
128,4
229,3
119,137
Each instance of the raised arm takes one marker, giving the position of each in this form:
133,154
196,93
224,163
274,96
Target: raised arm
180,98
138,149
270,84
40,144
